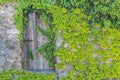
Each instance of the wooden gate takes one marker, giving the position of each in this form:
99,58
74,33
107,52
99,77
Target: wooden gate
33,40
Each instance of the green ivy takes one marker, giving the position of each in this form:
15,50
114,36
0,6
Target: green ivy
49,47
90,28
30,54
25,75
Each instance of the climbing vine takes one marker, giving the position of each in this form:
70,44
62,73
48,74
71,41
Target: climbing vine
24,75
90,30
49,47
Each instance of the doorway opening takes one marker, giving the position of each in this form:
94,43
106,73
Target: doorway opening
32,41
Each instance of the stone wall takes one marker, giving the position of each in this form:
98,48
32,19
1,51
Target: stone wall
9,43
10,57
61,72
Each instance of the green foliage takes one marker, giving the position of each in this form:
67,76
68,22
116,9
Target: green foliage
46,33
24,75
2,2
101,11
91,50
90,28
30,54
49,47
90,63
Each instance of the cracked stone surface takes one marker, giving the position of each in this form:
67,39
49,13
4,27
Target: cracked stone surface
9,43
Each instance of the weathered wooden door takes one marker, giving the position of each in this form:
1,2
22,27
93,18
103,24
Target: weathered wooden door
33,40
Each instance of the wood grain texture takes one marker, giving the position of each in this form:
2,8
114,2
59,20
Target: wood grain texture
33,40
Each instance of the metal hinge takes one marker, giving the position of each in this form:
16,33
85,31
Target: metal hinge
27,40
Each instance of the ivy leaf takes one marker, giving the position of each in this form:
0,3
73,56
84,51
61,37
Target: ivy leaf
44,32
30,54
42,49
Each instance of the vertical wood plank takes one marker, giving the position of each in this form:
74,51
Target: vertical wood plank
46,64
24,58
30,38
32,34
39,44
39,62
42,41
